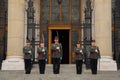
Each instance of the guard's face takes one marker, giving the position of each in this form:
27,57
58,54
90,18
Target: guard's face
28,44
93,43
78,45
41,44
56,41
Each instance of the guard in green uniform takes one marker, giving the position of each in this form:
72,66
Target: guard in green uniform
42,57
28,53
94,55
79,56
56,55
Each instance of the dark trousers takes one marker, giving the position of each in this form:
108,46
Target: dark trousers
56,65
79,66
0,60
42,66
93,63
27,66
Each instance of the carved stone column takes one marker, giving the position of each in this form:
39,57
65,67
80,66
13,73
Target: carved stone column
16,11
103,33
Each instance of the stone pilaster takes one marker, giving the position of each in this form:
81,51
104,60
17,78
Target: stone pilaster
16,11
103,33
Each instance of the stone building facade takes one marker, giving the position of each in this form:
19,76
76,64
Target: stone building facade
67,17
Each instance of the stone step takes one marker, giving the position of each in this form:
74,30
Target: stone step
67,72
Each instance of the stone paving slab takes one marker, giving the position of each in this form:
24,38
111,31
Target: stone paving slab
102,76
59,77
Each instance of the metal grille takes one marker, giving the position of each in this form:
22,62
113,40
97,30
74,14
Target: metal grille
3,32
30,24
87,30
116,33
33,28
86,27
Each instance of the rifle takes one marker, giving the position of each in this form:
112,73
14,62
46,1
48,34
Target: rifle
43,40
57,35
60,46
42,37
44,45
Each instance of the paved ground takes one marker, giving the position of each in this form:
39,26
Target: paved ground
67,73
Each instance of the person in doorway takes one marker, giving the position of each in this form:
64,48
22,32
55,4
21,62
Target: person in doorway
28,53
56,55
42,57
94,55
79,56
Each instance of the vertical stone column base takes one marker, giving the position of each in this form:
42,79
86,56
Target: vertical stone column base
13,63
106,63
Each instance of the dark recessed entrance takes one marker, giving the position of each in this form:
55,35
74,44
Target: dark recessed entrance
64,40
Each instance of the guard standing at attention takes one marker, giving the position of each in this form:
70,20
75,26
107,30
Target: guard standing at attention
28,55
94,55
79,56
56,49
42,57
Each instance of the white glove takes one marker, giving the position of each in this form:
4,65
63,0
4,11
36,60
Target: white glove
60,58
57,47
29,51
83,60
96,50
80,51
43,50
46,60
32,59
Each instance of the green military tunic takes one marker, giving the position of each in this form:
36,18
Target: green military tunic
28,52
56,50
79,54
42,53
94,52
